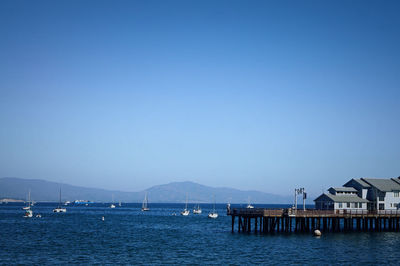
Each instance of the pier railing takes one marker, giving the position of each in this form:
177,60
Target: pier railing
257,212
310,212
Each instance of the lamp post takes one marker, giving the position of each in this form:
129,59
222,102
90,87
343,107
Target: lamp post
298,191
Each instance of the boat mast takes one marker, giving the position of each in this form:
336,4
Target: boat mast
59,203
214,205
144,205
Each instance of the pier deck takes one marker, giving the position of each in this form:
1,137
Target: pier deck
288,220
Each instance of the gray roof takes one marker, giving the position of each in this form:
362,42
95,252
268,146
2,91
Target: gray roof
362,183
341,198
384,185
345,189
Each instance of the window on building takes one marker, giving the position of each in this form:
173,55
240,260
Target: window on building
340,205
396,194
359,205
348,204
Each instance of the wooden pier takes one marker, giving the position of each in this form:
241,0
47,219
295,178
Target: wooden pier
260,220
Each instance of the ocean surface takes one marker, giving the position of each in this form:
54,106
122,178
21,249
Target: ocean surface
129,236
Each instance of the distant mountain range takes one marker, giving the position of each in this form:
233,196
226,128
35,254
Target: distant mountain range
41,190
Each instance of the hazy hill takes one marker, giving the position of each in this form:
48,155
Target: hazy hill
176,192
42,190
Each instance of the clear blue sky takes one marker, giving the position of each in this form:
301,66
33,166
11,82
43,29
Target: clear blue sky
266,95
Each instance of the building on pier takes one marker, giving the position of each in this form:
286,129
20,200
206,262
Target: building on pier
362,194
364,204
340,202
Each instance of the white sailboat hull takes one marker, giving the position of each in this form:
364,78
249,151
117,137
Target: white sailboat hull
28,213
213,215
60,210
145,204
185,213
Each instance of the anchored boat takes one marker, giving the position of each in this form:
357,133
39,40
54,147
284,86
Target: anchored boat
185,211
145,206
197,209
59,208
213,214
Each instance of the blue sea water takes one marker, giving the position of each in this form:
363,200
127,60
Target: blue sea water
129,236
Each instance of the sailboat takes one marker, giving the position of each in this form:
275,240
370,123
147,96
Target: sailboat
249,206
197,209
213,214
59,209
28,207
28,211
112,206
145,206
185,212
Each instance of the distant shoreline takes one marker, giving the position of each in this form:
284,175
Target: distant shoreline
11,200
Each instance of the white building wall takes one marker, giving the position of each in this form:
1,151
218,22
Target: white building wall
391,201
364,192
352,206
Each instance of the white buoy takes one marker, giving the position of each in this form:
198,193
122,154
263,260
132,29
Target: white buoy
317,233
102,218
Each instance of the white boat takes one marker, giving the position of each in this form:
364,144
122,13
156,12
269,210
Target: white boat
249,206
120,204
67,202
145,203
59,209
28,213
185,211
28,207
197,210
213,214
112,206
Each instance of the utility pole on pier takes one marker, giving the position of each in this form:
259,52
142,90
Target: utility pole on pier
298,191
